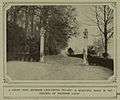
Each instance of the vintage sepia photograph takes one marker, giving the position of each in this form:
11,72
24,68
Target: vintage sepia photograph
60,42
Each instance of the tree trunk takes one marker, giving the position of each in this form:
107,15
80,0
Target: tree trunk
15,17
26,19
32,19
42,48
105,32
15,13
106,47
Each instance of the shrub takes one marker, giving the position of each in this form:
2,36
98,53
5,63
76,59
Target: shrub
91,50
99,61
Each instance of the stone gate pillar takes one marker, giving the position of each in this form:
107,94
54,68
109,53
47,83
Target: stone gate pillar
42,32
85,48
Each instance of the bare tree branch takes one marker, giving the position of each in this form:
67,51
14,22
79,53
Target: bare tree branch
110,35
105,15
98,22
110,30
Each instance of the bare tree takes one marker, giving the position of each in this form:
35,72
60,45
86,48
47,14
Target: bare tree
104,18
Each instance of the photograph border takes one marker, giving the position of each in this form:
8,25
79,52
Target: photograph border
114,82
6,5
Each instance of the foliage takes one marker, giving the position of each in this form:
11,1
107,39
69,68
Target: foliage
59,23
92,50
15,40
15,37
100,61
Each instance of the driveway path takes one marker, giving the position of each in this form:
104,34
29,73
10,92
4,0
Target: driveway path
56,68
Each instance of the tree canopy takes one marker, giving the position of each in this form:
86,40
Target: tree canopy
58,21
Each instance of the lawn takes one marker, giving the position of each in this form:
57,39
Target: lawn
56,67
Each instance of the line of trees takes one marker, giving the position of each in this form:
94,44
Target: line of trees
24,24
